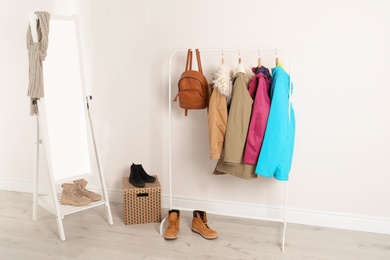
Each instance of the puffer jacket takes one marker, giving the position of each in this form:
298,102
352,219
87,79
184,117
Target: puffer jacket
221,90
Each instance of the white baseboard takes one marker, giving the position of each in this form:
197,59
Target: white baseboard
293,215
22,185
246,210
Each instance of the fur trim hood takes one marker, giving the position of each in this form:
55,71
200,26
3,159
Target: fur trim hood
222,81
243,68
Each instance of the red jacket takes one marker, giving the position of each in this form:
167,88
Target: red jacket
259,88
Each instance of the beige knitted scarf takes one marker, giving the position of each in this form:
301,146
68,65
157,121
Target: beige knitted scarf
36,56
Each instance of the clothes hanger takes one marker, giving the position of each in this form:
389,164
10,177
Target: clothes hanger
277,58
258,59
239,57
223,58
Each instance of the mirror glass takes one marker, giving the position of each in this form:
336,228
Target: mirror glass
63,108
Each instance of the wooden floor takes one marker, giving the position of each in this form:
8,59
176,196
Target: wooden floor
89,236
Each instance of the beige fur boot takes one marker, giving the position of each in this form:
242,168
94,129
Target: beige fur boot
72,196
89,194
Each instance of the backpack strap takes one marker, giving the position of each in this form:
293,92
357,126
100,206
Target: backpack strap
186,110
175,99
188,67
189,60
198,60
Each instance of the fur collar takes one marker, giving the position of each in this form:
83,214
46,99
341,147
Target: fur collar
222,81
243,68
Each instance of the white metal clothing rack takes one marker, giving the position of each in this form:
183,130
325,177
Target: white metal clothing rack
276,51
51,201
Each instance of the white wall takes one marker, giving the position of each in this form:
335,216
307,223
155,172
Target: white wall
341,98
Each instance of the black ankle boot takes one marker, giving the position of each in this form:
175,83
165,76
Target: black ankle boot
144,176
135,177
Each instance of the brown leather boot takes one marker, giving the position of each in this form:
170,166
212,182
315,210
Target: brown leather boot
173,224
89,194
199,225
71,196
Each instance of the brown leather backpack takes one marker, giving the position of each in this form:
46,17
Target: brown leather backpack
193,87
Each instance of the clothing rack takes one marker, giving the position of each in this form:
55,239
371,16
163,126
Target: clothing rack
276,51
